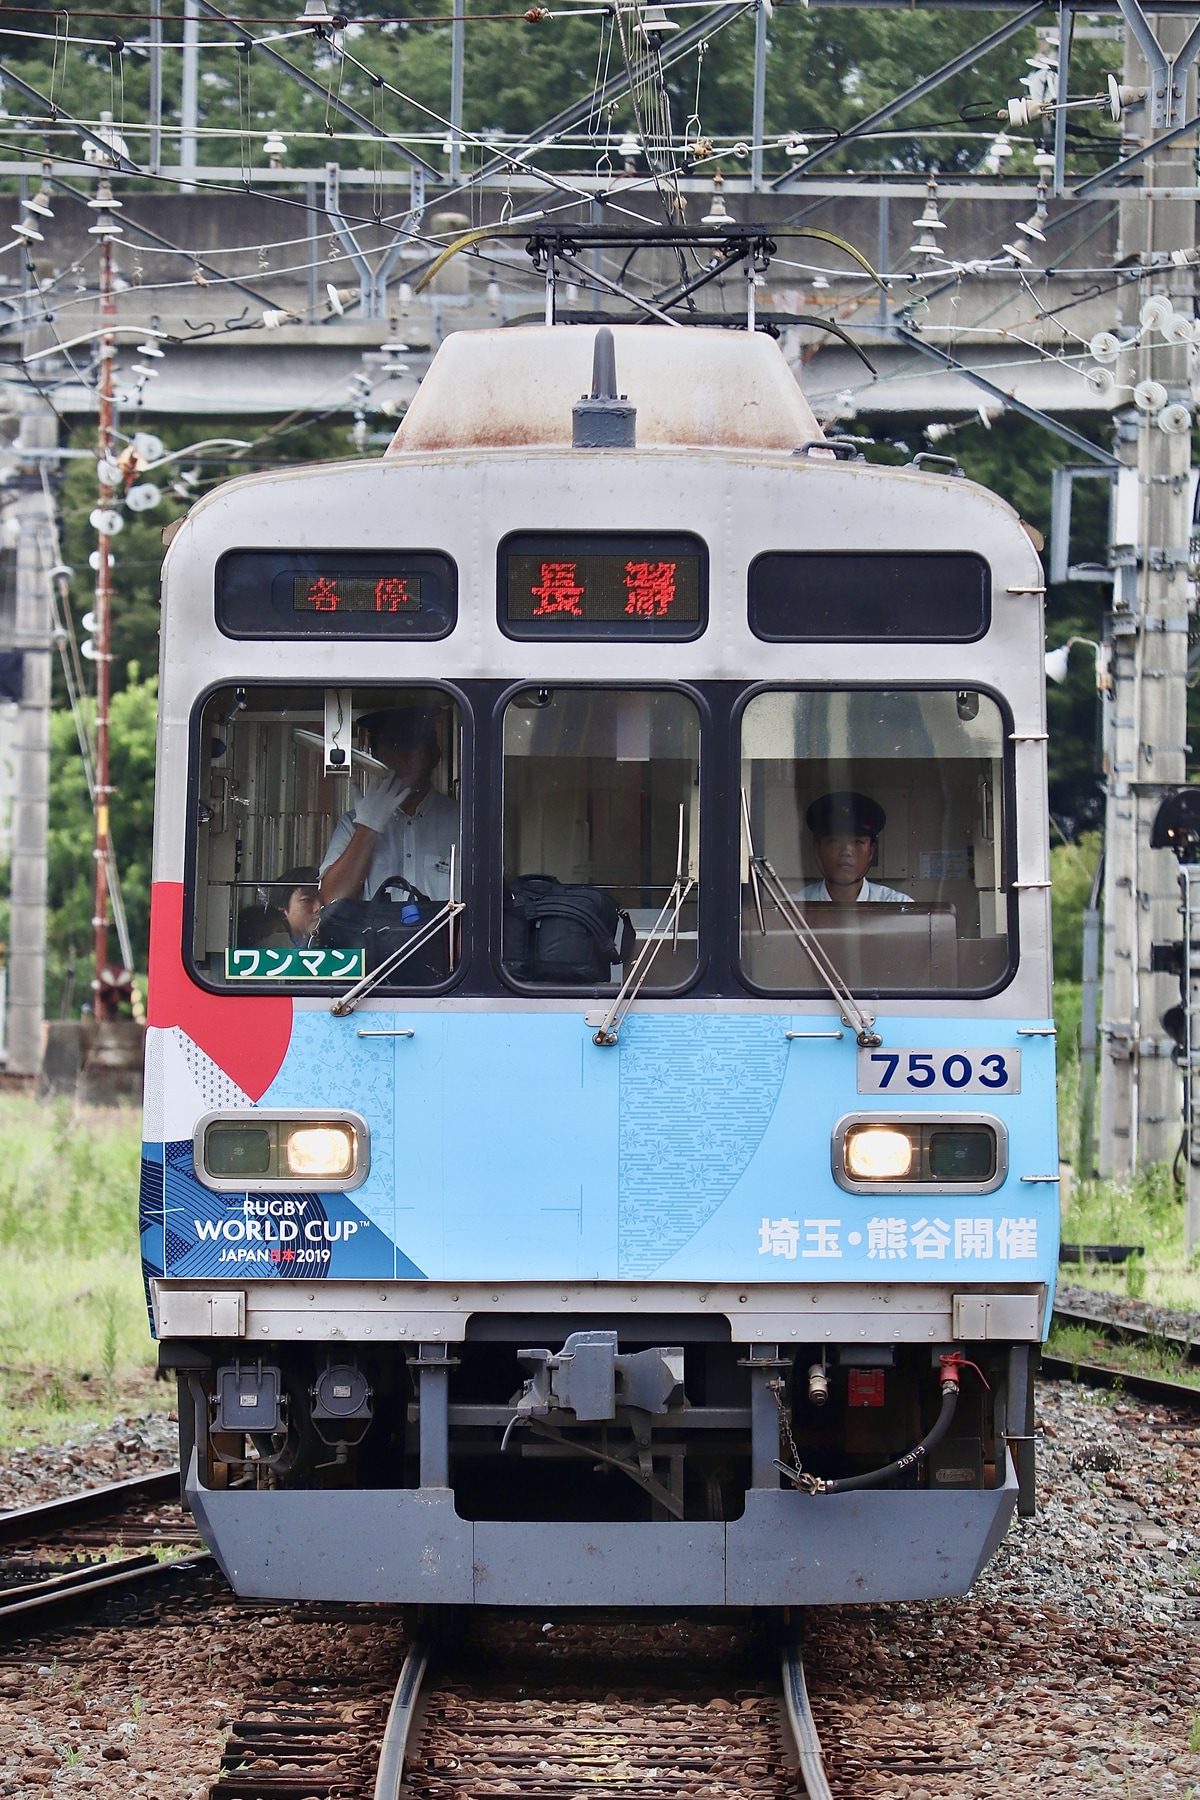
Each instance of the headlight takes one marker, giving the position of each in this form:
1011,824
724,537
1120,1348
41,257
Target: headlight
286,1150
968,1154
878,1153
319,1150
943,1152
238,1150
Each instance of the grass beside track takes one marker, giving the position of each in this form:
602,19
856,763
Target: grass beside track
1147,1210
1080,1344
74,1343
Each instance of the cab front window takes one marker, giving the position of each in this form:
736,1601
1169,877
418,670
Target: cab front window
882,814
328,836
601,836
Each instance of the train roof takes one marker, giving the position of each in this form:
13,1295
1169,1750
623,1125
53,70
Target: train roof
693,387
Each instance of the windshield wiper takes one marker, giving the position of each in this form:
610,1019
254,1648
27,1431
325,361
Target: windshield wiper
666,925
763,876
446,915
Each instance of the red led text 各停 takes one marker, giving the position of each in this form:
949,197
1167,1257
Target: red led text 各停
391,595
323,595
651,589
559,592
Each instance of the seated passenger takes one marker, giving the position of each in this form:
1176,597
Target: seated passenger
846,830
295,899
401,825
288,921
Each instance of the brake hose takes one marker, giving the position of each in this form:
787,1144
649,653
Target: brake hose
951,1364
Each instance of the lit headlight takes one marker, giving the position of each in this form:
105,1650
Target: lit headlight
878,1153
950,1153
319,1150
284,1150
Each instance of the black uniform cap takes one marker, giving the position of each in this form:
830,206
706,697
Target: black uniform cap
856,814
401,727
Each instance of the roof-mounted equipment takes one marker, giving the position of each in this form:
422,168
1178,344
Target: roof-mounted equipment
604,420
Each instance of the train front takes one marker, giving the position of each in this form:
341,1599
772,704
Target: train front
600,1125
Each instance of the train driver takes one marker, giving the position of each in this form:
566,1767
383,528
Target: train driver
845,829
402,825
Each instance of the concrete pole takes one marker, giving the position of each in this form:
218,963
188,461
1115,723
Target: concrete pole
189,95
758,122
156,94
1141,1090
458,51
31,801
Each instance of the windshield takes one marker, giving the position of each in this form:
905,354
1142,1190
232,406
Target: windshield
329,834
601,809
882,813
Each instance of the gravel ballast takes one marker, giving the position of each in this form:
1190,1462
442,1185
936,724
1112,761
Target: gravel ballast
1072,1669
102,1453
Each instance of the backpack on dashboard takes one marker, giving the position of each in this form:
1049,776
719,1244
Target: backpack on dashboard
386,923
563,934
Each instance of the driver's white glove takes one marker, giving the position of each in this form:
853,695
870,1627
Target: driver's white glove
380,802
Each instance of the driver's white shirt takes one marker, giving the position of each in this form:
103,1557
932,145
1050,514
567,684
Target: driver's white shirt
414,845
870,890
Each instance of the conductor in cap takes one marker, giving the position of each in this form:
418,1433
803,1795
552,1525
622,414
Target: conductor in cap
845,829
402,826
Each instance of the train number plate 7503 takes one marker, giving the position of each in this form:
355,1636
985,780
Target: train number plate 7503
939,1071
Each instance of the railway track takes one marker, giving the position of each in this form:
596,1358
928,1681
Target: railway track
59,1556
510,1711
1158,1388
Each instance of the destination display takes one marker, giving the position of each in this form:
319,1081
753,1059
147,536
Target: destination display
356,593
603,586
336,593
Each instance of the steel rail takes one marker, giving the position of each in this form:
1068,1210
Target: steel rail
390,1774
49,1516
71,1578
803,1725
106,1579
1146,1387
1189,1348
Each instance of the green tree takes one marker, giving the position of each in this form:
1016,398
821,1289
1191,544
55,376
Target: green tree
1016,459
1072,870
829,67
132,725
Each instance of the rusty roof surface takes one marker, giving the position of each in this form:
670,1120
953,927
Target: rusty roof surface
693,386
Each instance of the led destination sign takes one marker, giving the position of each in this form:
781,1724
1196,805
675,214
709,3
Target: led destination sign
603,586
356,593
336,593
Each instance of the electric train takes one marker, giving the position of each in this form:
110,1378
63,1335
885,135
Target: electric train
600,1140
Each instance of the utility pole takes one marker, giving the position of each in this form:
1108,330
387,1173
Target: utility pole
1141,1091
104,994
31,802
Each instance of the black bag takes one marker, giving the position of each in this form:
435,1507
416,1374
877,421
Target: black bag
386,923
563,935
